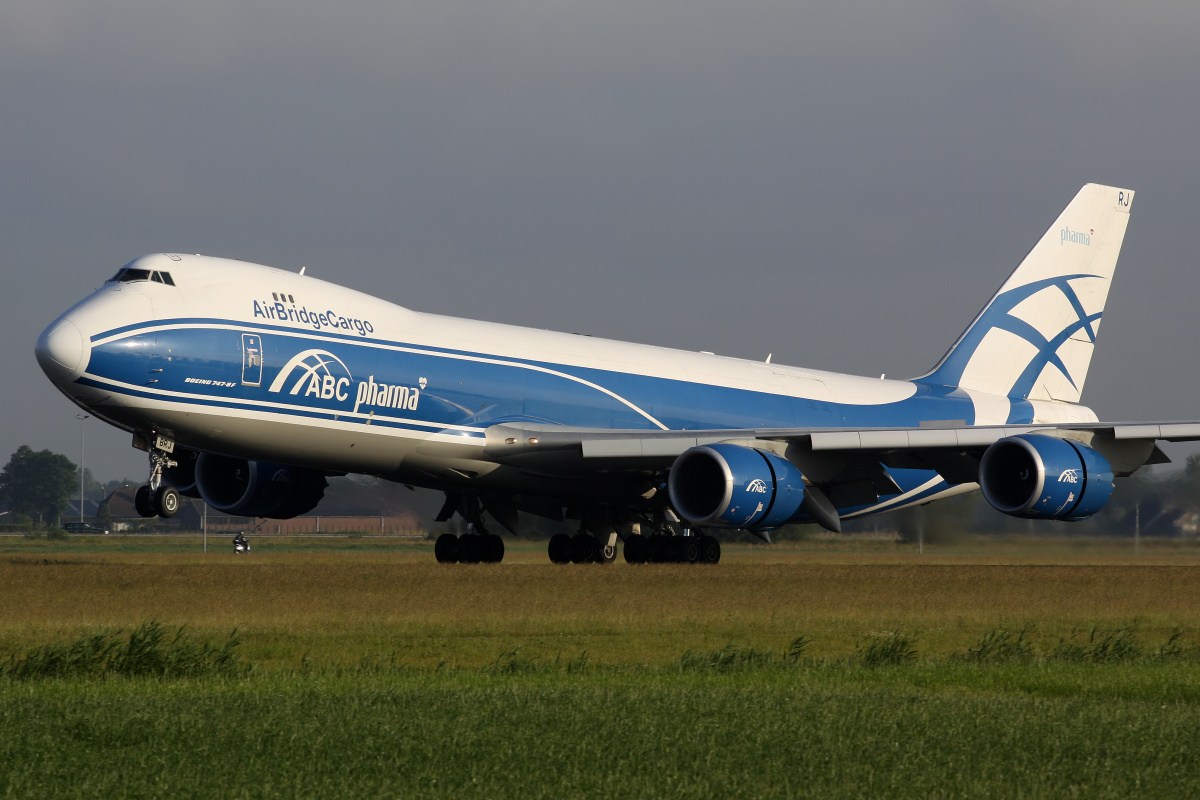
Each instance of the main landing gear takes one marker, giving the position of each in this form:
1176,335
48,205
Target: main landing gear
473,547
599,546
596,541
665,549
157,499
582,548
600,530
476,546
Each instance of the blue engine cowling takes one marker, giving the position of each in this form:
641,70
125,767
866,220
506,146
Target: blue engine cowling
1044,477
730,486
257,488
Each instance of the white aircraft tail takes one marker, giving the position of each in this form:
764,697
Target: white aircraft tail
1034,339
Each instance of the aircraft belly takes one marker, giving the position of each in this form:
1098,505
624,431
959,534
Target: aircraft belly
419,460
332,448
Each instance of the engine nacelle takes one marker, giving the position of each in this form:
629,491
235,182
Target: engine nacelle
257,488
730,486
183,475
1044,477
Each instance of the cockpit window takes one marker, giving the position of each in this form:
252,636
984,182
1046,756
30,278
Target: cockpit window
126,275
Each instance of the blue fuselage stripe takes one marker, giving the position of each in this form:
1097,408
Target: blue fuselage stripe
355,379
439,386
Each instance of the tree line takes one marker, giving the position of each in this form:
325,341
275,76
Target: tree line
36,486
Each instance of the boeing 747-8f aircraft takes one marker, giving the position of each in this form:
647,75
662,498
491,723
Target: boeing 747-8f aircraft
248,386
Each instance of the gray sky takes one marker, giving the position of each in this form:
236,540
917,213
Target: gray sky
841,184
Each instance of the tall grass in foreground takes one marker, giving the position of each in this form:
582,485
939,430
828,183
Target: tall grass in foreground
148,650
888,649
1013,715
151,650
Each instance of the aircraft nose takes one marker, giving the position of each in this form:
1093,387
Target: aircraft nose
61,351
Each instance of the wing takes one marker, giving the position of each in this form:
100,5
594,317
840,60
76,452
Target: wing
826,456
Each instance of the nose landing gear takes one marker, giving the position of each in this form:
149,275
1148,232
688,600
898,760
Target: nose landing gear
157,499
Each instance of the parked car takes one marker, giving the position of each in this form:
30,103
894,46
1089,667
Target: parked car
82,527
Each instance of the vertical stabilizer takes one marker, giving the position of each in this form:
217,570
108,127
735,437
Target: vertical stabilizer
1034,339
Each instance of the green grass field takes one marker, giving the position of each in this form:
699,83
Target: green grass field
374,672
834,731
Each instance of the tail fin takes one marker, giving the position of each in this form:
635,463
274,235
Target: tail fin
1034,339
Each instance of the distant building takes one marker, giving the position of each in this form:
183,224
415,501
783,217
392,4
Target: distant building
120,503
72,512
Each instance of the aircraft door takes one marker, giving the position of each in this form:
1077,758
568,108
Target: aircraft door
252,359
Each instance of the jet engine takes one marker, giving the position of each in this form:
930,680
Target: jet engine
257,488
1043,477
183,475
730,486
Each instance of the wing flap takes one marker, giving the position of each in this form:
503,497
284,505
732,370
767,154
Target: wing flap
1170,431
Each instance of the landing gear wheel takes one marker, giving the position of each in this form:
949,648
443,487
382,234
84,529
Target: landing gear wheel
607,554
672,552
584,548
445,549
710,550
559,549
635,549
493,548
689,550
142,502
470,548
658,549
166,502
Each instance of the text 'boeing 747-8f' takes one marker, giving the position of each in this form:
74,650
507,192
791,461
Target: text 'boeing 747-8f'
248,386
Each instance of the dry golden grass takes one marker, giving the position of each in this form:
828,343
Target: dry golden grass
339,600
